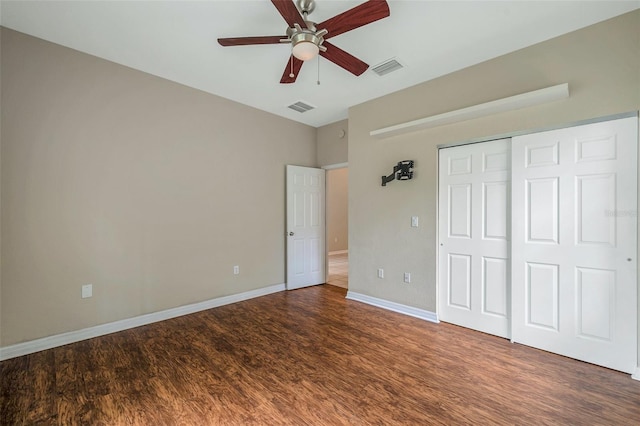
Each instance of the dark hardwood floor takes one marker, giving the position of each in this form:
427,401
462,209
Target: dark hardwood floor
308,357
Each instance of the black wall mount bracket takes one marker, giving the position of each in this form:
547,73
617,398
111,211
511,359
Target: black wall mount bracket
401,171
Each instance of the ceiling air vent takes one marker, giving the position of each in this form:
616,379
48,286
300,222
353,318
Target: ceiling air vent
301,107
386,67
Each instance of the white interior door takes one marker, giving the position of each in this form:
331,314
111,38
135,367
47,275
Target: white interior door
474,236
305,227
574,244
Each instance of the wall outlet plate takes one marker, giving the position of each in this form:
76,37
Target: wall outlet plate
380,273
87,291
407,277
236,270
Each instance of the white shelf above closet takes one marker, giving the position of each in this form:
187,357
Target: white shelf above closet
523,100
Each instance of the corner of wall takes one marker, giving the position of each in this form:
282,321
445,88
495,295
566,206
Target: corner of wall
332,142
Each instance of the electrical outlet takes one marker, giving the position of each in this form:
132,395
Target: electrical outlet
407,277
380,273
236,270
87,291
414,221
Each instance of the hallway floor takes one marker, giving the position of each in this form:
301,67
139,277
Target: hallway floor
338,270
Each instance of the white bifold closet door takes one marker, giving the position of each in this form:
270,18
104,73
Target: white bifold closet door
573,254
474,236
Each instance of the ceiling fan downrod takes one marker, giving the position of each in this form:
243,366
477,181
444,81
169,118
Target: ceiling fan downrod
306,7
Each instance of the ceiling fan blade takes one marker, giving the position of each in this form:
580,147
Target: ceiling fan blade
244,41
289,12
293,67
345,60
363,14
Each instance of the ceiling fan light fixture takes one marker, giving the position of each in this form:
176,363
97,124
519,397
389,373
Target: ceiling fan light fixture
305,46
305,50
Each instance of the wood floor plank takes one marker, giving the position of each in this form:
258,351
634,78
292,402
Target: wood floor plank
27,390
308,357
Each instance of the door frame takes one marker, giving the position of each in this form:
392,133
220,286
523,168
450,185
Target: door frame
328,167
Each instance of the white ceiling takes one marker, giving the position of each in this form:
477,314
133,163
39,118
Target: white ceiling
177,40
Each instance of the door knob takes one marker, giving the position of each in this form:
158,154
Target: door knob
291,234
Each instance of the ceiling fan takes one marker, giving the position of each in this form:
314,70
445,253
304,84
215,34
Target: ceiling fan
308,39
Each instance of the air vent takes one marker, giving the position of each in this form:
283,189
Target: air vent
301,107
386,67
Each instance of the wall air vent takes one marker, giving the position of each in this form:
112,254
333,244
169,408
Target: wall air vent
301,107
386,67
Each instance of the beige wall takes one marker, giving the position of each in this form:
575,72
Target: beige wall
601,63
146,189
333,141
337,209
332,149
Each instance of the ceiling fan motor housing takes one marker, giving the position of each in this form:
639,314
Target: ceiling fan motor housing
307,36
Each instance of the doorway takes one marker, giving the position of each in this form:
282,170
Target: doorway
337,227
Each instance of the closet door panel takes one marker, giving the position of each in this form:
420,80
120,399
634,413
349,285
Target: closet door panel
574,209
474,231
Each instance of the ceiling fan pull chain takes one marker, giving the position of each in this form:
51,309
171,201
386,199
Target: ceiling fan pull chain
318,70
291,74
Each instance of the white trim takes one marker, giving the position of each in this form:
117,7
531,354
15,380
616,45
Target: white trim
335,166
49,342
338,252
636,375
540,129
393,306
523,100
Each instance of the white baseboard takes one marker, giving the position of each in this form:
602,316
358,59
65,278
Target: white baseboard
49,342
393,306
636,375
338,252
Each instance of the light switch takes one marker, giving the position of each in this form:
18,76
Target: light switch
414,221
